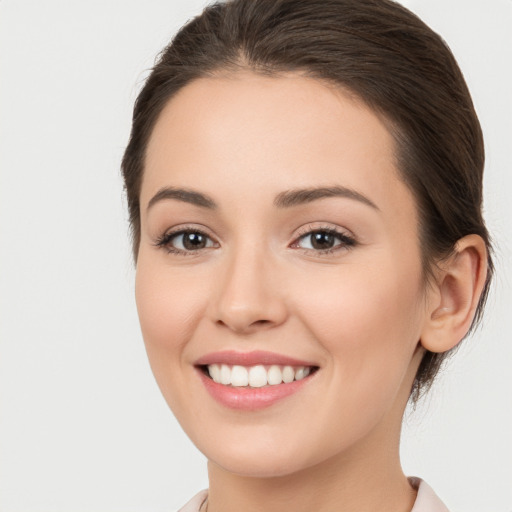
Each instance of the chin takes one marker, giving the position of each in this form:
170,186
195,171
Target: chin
263,453
260,465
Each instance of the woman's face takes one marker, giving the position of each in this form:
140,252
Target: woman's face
277,240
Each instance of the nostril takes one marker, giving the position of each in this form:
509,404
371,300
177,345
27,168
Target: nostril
246,328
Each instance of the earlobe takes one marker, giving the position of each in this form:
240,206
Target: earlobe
454,299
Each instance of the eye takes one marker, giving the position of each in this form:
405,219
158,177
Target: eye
324,240
185,241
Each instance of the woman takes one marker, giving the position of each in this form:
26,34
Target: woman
304,181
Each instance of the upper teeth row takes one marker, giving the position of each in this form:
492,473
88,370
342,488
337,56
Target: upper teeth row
256,376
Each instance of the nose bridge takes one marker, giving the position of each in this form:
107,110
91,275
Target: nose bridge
248,295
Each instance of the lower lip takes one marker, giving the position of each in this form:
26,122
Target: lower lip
250,399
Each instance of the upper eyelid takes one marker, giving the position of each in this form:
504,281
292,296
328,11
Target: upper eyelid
304,230
180,229
344,239
312,228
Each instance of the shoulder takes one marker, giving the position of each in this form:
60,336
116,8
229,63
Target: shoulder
195,503
426,500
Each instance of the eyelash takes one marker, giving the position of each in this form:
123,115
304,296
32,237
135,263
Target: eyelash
346,241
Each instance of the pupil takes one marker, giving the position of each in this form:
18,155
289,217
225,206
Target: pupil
194,241
322,240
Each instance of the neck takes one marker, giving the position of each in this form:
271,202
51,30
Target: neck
328,490
368,479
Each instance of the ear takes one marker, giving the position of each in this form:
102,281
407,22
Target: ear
454,296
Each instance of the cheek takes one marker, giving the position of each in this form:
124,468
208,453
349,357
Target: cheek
169,306
368,321
368,324
360,301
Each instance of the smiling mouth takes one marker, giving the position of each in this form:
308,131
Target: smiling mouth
258,376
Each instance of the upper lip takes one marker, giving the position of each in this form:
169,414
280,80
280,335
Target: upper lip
253,358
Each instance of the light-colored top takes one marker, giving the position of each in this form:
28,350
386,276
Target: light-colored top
426,501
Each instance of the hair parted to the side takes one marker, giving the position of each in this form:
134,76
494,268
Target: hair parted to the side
381,53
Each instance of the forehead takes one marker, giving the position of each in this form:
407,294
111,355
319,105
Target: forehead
251,132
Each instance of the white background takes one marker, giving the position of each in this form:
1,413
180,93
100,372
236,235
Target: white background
82,424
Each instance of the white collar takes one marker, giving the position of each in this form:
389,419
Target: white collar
426,500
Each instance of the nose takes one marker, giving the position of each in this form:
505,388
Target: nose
249,297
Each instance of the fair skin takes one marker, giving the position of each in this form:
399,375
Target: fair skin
352,305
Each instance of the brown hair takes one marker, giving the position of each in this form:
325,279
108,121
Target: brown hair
379,51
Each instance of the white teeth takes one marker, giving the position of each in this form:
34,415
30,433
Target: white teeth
256,376
239,376
299,374
225,375
214,370
302,372
288,374
275,375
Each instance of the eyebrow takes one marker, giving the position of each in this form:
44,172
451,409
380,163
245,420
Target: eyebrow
185,195
307,195
286,199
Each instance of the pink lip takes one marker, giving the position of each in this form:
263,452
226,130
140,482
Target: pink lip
250,399
253,358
